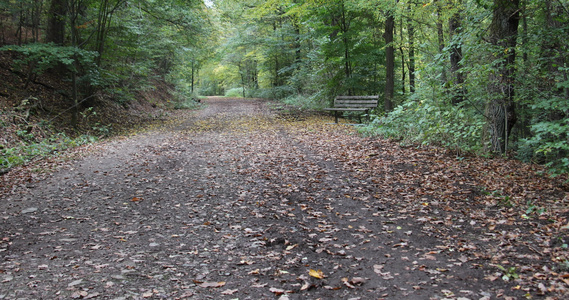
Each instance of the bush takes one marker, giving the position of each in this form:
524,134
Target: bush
234,93
304,102
427,122
42,57
279,92
185,99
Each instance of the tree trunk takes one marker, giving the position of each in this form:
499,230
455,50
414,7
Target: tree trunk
401,43
193,74
389,62
56,22
101,30
503,35
455,24
105,15
441,38
555,47
524,37
411,65
74,42
345,27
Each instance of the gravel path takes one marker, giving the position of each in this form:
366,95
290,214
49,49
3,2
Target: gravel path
234,202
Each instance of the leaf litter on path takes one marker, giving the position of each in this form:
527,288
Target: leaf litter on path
240,201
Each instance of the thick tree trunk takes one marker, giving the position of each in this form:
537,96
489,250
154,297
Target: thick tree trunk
503,35
389,63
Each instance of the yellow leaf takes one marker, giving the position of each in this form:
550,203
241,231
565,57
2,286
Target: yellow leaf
291,247
316,274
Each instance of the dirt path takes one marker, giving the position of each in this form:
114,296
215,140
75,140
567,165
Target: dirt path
238,202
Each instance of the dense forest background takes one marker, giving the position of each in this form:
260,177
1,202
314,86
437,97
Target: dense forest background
488,77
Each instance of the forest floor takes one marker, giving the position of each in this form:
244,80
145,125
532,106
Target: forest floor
244,201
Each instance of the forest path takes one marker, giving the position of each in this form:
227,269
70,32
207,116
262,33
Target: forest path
241,201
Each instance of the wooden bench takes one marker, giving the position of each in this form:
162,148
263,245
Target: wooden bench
353,103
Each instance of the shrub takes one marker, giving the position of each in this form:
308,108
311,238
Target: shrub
429,122
234,93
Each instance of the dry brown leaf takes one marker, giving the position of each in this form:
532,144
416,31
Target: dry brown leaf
377,268
229,292
277,291
212,284
358,280
347,283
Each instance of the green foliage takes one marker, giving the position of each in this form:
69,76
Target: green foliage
234,93
549,141
39,58
509,273
11,157
185,99
430,122
304,102
281,49
306,52
533,209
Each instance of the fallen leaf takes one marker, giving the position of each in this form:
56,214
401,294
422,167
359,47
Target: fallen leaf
316,273
291,247
147,294
212,284
229,292
259,285
277,291
93,295
377,268
79,294
347,283
358,280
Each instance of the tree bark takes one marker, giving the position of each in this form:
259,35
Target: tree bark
345,27
389,62
411,66
57,15
503,35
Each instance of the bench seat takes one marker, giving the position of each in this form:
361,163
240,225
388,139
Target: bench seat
353,103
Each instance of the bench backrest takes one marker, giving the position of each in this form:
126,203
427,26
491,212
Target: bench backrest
356,101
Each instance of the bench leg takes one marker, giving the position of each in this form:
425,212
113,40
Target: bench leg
336,116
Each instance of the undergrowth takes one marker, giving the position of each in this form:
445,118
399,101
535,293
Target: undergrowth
29,149
234,93
428,123
303,102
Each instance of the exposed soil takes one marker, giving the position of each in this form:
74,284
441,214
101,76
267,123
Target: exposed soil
238,201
